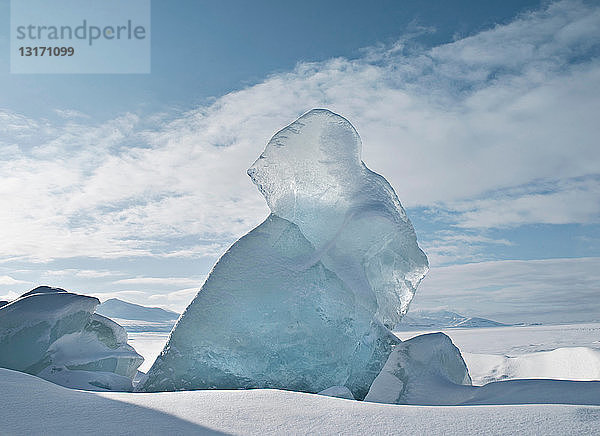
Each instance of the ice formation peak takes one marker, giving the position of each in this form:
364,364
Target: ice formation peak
317,156
305,300
312,175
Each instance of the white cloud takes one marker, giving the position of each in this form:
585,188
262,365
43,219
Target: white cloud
83,273
70,114
8,280
550,290
176,300
9,296
164,281
513,106
15,123
449,247
569,201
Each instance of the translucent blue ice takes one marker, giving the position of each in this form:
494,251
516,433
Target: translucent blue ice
306,299
56,335
426,369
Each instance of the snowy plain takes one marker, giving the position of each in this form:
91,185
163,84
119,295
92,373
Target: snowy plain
52,409
149,345
562,352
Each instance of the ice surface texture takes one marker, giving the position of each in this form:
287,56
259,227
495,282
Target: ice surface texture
312,175
56,335
426,369
306,299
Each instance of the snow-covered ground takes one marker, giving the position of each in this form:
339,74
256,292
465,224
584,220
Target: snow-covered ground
149,345
562,352
567,352
52,409
520,339
30,405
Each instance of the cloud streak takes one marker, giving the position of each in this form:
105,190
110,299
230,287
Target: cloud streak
165,281
549,290
8,280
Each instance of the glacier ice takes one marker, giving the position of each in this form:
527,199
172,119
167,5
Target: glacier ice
426,369
56,335
305,300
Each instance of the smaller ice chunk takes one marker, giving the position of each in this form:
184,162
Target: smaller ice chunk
337,391
100,347
56,335
31,323
426,369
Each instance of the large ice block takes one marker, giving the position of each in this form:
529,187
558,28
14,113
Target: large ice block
304,301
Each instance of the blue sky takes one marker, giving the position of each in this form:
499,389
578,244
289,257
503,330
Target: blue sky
482,115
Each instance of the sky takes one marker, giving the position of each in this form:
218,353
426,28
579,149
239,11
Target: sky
482,115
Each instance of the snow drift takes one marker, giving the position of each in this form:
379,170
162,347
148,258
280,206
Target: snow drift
34,406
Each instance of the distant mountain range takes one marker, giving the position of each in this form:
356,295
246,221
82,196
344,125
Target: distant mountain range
137,318
442,319
122,309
